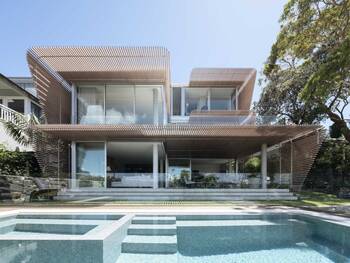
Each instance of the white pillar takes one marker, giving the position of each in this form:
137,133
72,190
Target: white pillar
27,106
155,107
166,171
155,165
264,165
74,104
73,165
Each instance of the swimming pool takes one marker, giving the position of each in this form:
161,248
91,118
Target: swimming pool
116,238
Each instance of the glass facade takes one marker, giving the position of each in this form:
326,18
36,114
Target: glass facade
202,99
90,164
176,101
196,99
120,104
91,106
222,98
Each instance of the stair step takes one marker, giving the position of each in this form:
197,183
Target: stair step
155,220
147,258
152,229
149,244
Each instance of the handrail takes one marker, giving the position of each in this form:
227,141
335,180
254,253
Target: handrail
8,114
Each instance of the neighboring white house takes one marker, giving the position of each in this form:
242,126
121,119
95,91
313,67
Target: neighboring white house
16,95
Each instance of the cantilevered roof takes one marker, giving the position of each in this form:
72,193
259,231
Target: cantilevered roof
127,64
241,78
231,139
55,68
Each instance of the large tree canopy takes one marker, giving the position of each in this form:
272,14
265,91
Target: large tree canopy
307,75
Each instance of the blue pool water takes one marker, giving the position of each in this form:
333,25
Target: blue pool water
165,239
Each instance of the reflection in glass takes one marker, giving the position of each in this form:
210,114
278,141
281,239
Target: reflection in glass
90,168
179,173
119,104
196,99
222,98
148,105
91,104
176,101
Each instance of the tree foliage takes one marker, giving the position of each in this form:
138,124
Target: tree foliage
308,69
18,163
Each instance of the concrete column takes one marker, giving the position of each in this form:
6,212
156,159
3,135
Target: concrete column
74,104
155,165
73,165
166,171
264,165
155,107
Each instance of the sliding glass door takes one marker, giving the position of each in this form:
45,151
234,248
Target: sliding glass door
90,164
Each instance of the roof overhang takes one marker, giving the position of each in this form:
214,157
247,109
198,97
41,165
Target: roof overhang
59,67
241,78
9,84
182,140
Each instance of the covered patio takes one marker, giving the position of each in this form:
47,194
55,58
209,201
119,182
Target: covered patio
198,156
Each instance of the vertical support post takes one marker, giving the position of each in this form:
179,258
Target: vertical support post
291,165
155,106
74,104
155,165
73,165
166,171
27,106
264,165
183,103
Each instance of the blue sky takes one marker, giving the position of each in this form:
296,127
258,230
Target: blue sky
198,33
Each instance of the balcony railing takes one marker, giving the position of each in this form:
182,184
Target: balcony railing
225,118
7,114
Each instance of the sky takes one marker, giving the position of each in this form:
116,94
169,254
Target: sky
198,33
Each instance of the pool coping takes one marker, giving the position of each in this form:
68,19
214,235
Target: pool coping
99,233
128,213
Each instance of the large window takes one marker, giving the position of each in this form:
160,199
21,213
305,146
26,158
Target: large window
196,99
91,104
222,98
129,164
202,99
90,168
120,104
148,105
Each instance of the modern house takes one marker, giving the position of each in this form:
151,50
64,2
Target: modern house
17,95
124,131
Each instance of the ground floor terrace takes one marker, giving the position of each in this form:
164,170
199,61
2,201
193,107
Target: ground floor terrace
184,156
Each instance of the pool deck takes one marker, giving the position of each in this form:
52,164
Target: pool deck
175,210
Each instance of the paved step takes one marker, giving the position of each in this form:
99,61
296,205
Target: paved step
149,244
147,258
152,229
204,197
155,220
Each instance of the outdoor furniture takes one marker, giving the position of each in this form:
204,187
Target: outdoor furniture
44,190
344,193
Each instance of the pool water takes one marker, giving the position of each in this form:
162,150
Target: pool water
98,238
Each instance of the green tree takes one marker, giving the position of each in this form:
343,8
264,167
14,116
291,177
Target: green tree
22,128
311,60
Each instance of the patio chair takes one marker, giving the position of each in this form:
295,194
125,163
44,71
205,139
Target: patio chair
44,190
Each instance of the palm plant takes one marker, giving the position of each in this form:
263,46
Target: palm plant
21,128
